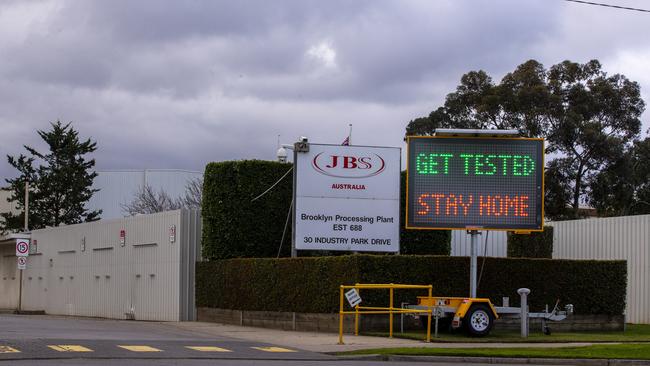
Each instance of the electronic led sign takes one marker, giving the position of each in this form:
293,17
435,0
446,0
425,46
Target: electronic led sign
482,183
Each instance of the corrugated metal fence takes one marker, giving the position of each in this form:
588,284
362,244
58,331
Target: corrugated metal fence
139,267
497,243
626,238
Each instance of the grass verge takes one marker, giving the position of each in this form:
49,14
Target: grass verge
633,333
609,351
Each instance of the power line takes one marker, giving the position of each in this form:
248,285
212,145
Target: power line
608,5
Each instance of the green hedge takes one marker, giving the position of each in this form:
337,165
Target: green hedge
312,284
235,227
533,245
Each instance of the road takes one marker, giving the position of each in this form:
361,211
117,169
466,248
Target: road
49,339
53,340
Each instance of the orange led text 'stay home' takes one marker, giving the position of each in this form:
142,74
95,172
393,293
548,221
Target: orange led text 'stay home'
487,205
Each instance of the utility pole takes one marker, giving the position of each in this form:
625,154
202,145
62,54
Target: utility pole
26,206
26,229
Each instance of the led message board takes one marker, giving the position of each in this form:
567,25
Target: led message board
475,183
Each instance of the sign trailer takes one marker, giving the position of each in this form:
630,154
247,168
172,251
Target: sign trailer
475,180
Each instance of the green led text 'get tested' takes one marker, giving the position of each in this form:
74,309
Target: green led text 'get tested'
476,164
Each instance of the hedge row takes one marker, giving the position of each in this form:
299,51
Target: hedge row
533,245
234,226
311,285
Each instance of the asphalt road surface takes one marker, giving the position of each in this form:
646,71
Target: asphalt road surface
51,340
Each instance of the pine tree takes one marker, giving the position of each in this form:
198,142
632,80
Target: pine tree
59,186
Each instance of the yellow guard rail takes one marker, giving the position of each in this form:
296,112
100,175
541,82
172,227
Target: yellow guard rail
358,310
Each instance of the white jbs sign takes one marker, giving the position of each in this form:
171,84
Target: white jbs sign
347,198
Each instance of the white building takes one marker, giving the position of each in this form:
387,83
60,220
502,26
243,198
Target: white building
138,267
118,187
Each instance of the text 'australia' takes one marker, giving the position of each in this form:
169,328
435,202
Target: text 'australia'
348,186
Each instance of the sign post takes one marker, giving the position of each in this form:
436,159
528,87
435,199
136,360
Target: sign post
22,252
475,183
346,198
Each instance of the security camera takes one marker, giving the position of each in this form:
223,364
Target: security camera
282,155
302,145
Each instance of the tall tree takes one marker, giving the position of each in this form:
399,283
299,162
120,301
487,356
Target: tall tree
586,116
594,118
623,187
60,181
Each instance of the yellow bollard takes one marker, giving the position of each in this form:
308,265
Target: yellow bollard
390,311
341,317
429,320
356,320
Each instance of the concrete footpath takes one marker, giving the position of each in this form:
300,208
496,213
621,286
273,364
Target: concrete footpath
328,342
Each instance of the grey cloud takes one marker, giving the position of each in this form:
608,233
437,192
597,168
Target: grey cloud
174,84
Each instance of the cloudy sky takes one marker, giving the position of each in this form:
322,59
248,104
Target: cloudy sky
176,84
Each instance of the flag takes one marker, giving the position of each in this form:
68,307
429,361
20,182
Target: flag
346,142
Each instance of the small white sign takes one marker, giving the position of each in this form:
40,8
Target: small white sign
22,263
353,297
22,247
172,233
122,237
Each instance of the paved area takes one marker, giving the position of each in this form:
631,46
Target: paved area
55,340
35,337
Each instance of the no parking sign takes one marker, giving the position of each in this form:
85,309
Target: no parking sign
22,247
22,263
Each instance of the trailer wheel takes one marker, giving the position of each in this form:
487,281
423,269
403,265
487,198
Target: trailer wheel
479,320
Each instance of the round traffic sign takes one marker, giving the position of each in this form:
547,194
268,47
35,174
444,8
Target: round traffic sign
22,261
22,247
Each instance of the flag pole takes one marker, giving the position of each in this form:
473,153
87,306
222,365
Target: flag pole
350,135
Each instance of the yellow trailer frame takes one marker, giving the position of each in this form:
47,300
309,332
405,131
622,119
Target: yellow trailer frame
460,304
359,310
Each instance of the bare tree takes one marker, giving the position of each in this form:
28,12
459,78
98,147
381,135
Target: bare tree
147,201
193,193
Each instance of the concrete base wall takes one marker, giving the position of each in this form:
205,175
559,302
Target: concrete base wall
276,320
330,322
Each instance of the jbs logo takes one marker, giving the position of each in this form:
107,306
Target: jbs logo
348,166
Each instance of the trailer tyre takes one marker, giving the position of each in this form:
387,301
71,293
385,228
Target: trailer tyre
479,320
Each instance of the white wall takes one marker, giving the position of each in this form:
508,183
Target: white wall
9,277
7,206
148,276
